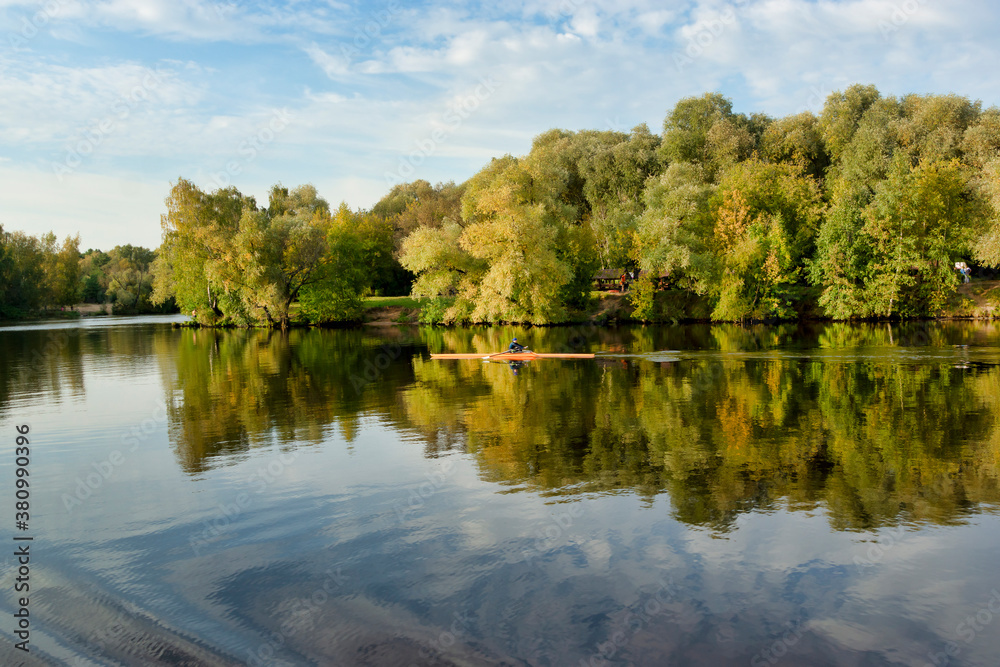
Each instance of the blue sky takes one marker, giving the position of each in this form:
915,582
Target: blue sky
105,103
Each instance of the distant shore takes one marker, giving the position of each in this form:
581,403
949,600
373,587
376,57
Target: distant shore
978,300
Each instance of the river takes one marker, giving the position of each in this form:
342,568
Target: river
822,494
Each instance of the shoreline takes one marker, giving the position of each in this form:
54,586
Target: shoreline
976,301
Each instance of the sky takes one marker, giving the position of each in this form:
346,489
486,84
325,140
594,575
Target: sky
104,104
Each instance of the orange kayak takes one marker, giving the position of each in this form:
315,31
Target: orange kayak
512,356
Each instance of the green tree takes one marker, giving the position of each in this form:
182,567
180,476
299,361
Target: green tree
981,143
66,273
129,278
24,262
197,228
987,246
842,114
516,236
275,253
934,127
675,231
614,179
796,140
922,219
686,128
342,280
93,287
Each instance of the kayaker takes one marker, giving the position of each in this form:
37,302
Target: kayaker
515,347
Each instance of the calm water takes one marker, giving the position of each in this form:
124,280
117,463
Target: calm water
696,495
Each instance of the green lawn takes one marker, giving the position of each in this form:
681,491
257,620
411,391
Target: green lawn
389,301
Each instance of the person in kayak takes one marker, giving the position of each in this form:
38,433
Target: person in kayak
515,347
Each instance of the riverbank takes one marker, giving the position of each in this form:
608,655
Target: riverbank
979,300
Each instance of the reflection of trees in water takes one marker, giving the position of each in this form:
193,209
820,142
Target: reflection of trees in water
739,422
244,389
874,440
50,362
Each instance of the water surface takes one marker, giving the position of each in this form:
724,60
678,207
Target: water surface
695,495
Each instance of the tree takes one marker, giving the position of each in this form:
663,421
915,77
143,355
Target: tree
842,114
24,262
796,140
274,254
128,278
675,231
766,218
93,287
614,179
934,127
922,219
981,143
516,236
197,228
686,128
66,274
840,267
987,246
342,281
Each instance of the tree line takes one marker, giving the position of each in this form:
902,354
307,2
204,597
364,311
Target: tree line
860,211
39,274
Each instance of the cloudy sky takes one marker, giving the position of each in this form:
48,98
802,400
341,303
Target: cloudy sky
105,103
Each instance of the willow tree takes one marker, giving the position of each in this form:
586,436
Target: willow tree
338,284
128,278
675,230
921,220
516,236
614,179
196,227
443,269
766,218
225,259
522,251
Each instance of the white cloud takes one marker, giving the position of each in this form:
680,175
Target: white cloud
362,101
333,66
